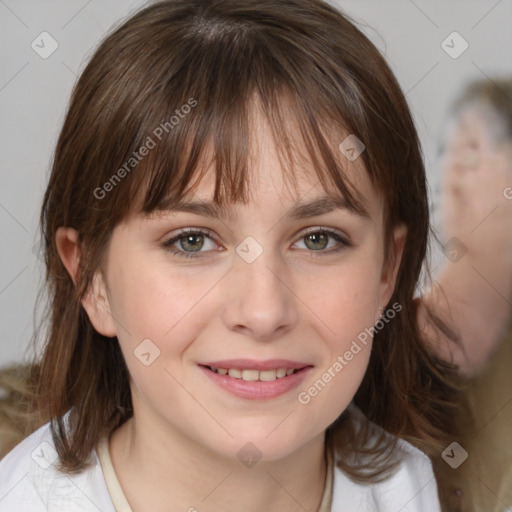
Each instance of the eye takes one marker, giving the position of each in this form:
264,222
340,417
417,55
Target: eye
189,241
317,240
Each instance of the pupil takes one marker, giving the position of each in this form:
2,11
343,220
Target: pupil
190,239
315,238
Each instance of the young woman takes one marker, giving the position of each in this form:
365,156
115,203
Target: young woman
235,225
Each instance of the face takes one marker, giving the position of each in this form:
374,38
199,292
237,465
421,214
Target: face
475,168
472,135
258,293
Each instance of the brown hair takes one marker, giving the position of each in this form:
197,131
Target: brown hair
214,56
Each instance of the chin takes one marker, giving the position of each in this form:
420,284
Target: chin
267,443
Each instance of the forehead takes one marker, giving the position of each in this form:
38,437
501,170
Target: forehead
479,119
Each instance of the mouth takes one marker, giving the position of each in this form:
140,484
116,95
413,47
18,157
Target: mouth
251,375
256,380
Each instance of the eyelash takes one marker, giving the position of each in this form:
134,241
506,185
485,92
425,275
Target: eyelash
168,244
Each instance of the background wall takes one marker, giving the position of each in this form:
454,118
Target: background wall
45,44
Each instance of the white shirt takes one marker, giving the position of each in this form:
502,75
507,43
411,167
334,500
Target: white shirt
30,482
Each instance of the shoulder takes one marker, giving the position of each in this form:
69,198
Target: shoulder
30,481
413,486
410,488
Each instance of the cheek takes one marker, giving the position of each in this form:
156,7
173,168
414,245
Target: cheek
158,310
159,303
348,310
335,382
166,306
348,298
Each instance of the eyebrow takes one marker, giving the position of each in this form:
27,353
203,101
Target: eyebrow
317,207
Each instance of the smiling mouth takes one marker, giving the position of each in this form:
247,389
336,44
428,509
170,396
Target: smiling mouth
256,380
255,375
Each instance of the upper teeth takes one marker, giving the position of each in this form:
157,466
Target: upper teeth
251,375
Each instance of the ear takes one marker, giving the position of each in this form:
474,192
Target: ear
391,266
96,301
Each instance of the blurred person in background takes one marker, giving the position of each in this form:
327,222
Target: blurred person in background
474,290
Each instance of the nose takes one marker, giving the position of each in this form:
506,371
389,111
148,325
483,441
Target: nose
259,301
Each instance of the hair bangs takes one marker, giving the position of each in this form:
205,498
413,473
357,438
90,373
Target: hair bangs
219,135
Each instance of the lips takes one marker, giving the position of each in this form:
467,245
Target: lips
251,370
252,379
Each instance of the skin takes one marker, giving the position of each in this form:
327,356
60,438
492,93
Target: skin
283,305
476,289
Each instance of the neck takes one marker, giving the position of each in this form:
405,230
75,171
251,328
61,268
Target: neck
162,473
